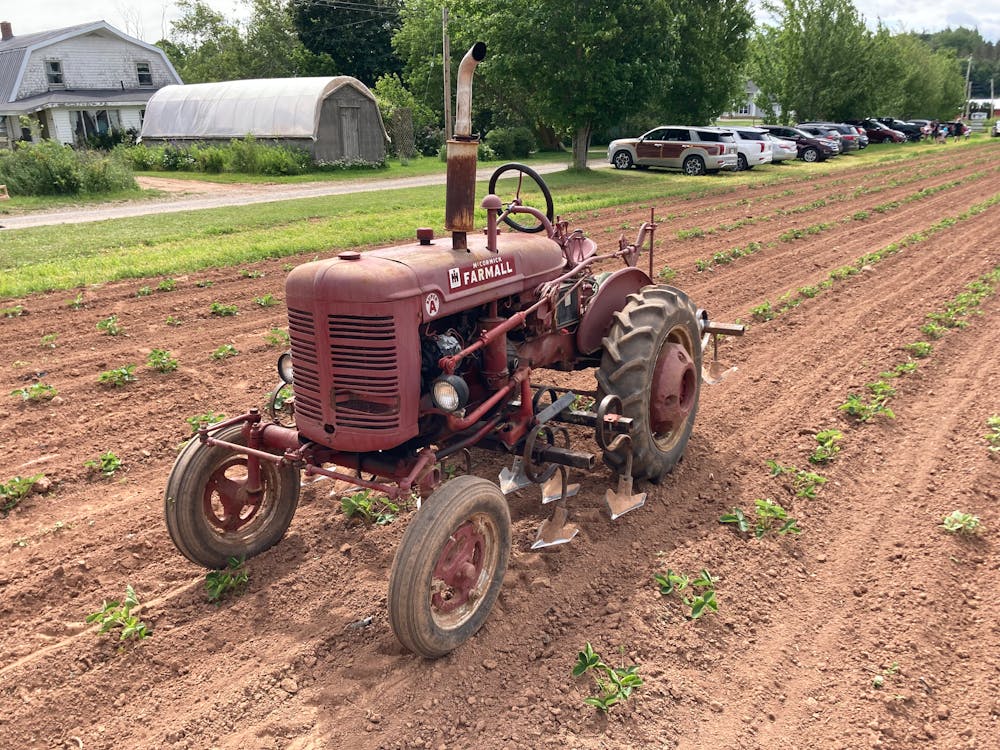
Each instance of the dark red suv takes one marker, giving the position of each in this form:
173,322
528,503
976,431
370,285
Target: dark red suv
810,147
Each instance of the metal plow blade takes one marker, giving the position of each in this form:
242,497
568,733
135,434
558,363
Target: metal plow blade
622,501
555,530
514,478
716,372
552,489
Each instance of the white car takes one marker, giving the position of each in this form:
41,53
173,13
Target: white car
753,147
695,151
782,148
995,130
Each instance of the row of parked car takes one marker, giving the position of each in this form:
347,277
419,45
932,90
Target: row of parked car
709,149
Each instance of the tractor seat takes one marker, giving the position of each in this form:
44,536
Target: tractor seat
578,248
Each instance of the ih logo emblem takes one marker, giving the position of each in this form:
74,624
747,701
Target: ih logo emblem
454,278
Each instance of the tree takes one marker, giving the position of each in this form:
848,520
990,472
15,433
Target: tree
204,46
356,35
817,60
710,50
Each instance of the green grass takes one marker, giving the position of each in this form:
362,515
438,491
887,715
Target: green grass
69,256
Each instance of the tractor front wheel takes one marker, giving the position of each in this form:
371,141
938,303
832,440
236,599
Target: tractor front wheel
449,566
211,512
652,362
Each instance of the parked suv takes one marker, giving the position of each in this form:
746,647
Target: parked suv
693,150
848,136
879,132
753,147
811,147
910,129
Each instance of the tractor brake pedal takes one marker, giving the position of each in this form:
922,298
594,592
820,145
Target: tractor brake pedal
555,530
552,489
514,478
621,502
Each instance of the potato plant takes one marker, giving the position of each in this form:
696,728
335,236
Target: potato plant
223,311
118,377
614,684
109,326
959,522
232,580
106,464
702,598
369,508
13,491
161,360
35,392
115,615
224,352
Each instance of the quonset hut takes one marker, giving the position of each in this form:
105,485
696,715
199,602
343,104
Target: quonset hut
335,119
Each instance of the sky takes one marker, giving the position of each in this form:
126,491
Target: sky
149,20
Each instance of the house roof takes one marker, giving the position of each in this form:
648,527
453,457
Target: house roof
15,52
77,99
264,108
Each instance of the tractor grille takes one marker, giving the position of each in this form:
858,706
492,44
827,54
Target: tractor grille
307,390
363,358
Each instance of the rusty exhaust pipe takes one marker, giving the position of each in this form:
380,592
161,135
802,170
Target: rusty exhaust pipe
460,193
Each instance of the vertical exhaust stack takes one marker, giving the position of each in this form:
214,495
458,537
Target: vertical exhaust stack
460,195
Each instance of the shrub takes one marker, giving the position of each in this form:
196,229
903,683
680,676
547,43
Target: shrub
45,168
511,143
210,159
103,174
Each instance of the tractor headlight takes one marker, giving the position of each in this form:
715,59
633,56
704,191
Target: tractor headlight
450,393
285,368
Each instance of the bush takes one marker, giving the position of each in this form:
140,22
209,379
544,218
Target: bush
511,143
429,140
50,168
102,174
140,157
210,159
282,160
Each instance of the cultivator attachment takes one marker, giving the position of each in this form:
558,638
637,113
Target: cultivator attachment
557,529
514,478
715,372
621,501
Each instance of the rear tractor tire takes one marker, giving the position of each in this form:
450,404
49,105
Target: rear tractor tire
449,567
210,515
652,362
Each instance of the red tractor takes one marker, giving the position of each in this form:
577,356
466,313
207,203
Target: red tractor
406,356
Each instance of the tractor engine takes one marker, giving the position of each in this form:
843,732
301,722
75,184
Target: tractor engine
368,329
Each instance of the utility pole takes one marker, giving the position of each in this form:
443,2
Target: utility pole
968,70
992,108
446,58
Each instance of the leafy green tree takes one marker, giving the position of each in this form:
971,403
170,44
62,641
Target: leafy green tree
711,47
357,36
205,46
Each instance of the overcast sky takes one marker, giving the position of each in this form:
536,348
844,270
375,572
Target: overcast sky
150,19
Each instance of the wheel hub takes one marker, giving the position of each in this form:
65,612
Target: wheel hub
227,504
458,569
673,389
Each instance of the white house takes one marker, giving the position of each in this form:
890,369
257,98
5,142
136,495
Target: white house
71,83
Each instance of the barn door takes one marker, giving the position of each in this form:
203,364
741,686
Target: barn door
350,123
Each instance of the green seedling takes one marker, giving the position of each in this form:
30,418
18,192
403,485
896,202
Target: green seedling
76,303
12,312
35,392
370,509
144,291
204,284
933,330
224,352
687,234
167,285
118,615
993,436
808,292
770,513
702,598
614,684
118,377
879,680
248,274
223,311
266,300
203,420
805,483
161,361
904,368
233,579
828,448
13,491
48,341
737,518
763,312
173,321
667,274
702,265
107,464
109,326
286,267
866,411
283,396
920,349
277,337
958,522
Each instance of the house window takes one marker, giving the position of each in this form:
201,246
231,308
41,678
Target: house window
144,73
94,123
53,72
743,110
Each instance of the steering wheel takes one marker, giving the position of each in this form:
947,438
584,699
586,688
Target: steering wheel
523,193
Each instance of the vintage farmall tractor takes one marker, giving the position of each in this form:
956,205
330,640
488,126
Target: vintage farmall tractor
406,356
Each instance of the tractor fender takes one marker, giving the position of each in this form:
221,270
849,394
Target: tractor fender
611,297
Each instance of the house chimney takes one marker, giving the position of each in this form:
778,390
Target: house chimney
6,32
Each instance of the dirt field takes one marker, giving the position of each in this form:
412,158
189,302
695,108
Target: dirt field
872,591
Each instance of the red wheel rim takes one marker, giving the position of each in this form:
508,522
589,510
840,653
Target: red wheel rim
459,568
674,387
226,503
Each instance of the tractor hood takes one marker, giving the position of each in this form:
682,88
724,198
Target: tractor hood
445,280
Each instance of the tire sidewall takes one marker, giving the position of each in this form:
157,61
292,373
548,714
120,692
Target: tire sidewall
425,538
